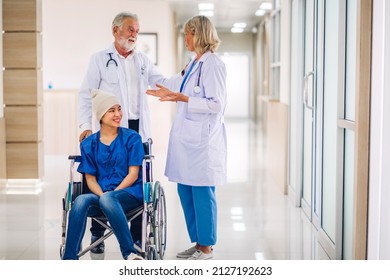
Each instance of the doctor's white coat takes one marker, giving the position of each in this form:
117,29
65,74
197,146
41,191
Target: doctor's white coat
197,144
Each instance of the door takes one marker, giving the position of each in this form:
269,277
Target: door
309,109
326,119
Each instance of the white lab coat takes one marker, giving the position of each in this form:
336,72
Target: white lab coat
197,144
112,79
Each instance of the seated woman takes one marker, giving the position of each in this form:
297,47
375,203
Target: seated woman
111,161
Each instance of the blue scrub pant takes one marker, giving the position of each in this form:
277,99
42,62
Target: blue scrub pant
113,204
200,212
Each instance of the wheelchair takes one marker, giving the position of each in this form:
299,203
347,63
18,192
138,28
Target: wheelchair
152,243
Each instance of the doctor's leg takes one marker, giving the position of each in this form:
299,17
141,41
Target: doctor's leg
205,206
187,203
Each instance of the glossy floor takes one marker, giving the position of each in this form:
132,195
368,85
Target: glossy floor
255,220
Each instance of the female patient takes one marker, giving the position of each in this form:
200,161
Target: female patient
111,161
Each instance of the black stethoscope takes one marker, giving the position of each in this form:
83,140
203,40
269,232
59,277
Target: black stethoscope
112,60
197,87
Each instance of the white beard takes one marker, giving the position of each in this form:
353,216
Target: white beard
126,44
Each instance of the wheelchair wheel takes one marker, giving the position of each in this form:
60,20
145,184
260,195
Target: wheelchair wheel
65,211
151,253
159,220
62,249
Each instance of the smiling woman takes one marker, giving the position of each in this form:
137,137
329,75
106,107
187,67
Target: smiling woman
111,161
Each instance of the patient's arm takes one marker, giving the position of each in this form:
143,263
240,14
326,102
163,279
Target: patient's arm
129,180
93,184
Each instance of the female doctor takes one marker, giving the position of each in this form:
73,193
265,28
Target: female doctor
197,146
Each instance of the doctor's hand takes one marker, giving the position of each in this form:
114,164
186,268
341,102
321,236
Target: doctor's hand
84,135
165,94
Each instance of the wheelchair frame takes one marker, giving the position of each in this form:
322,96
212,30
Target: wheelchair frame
153,211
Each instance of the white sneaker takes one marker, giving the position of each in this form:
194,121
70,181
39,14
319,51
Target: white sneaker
199,255
134,257
186,253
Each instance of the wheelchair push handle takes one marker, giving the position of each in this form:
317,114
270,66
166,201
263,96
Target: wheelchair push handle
148,149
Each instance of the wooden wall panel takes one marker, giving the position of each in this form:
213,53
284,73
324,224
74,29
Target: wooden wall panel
362,131
24,160
24,123
23,92
22,50
23,87
277,143
22,15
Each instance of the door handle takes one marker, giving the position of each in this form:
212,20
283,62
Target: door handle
306,90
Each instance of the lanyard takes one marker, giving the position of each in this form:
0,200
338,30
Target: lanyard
186,76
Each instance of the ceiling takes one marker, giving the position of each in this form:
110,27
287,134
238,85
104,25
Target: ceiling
226,12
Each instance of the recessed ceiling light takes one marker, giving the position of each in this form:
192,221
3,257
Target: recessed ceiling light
266,6
240,24
205,6
260,13
206,13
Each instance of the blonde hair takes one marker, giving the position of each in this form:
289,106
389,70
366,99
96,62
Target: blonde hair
204,32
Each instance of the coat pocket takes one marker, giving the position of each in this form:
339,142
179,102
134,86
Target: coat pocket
191,133
112,74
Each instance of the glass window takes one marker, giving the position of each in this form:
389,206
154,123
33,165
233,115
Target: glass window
350,71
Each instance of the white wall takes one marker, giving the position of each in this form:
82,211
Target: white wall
285,47
236,42
73,30
379,182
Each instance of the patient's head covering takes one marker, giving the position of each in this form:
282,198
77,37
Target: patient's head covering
102,101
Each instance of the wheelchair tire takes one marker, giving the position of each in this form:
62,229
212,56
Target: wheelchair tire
64,225
151,253
159,220
62,249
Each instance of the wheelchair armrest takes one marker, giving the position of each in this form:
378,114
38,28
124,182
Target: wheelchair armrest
76,158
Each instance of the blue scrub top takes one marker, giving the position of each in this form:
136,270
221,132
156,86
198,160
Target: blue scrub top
110,164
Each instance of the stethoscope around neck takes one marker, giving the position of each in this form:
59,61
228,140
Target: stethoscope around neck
111,60
197,87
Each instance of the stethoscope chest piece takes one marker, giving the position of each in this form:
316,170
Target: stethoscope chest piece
197,89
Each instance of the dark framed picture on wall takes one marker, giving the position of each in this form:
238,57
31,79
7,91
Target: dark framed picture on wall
147,43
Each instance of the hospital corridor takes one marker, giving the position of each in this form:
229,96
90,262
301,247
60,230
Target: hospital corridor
307,119
255,220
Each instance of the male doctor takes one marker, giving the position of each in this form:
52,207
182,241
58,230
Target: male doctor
127,73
